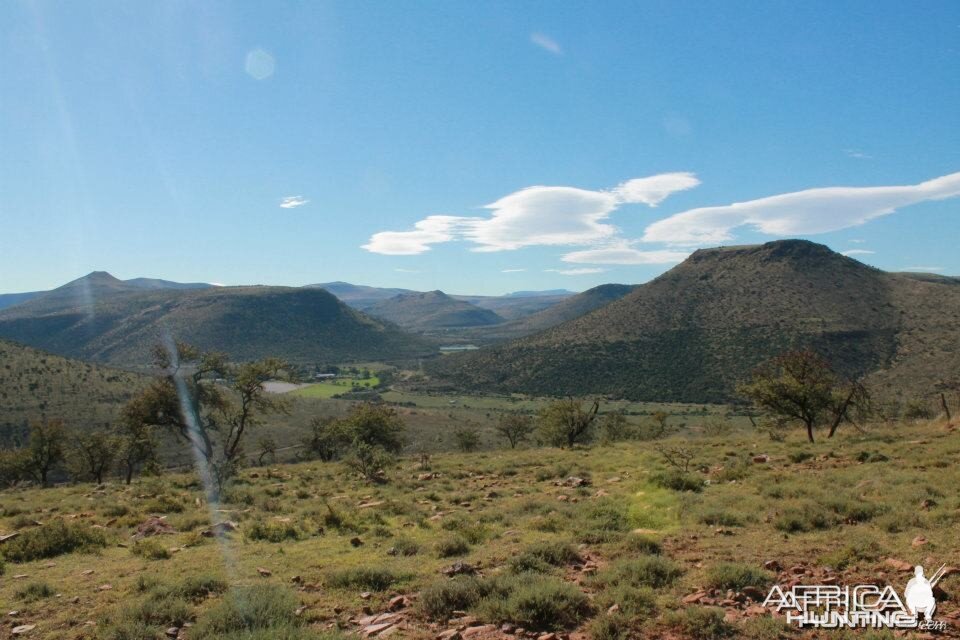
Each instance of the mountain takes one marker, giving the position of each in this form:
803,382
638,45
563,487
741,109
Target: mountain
694,332
10,299
37,385
567,309
431,311
539,294
509,307
99,318
359,296
96,283
513,306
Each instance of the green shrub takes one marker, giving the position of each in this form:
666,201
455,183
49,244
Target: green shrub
34,591
53,539
159,610
405,547
248,610
541,556
731,575
703,623
765,628
719,517
164,504
273,531
452,546
535,602
611,627
150,549
650,571
641,544
805,516
678,481
856,551
633,601
366,578
197,588
440,599
797,457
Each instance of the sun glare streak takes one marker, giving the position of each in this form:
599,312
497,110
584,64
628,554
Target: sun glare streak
203,470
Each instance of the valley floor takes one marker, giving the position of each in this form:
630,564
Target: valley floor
592,543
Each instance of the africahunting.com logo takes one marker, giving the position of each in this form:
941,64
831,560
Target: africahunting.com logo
865,605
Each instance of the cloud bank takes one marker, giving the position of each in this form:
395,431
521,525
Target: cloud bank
546,43
535,216
806,212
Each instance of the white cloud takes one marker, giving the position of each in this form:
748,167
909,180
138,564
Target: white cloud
292,202
575,272
399,270
535,216
923,269
799,213
856,153
857,252
546,43
857,241
512,270
430,230
655,189
623,253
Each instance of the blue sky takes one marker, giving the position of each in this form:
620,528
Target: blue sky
160,139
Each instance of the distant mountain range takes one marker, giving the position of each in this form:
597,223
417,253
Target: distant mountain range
103,319
694,332
103,280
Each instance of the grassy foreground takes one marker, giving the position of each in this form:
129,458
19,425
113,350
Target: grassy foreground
636,550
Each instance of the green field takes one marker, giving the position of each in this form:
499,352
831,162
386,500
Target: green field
336,387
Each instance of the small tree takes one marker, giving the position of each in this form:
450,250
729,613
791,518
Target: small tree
327,439
45,449
375,425
12,467
614,427
368,460
137,448
467,438
268,449
92,454
515,428
801,386
565,423
211,418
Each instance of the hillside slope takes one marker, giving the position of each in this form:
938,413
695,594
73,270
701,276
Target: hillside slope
119,327
694,332
35,385
431,311
567,309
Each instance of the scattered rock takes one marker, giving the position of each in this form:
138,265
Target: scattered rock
173,632
356,542
265,573
469,632
400,602
694,598
370,505
449,634
22,629
153,526
772,565
761,459
573,482
375,629
459,568
366,595
9,536
105,587
898,565
919,541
